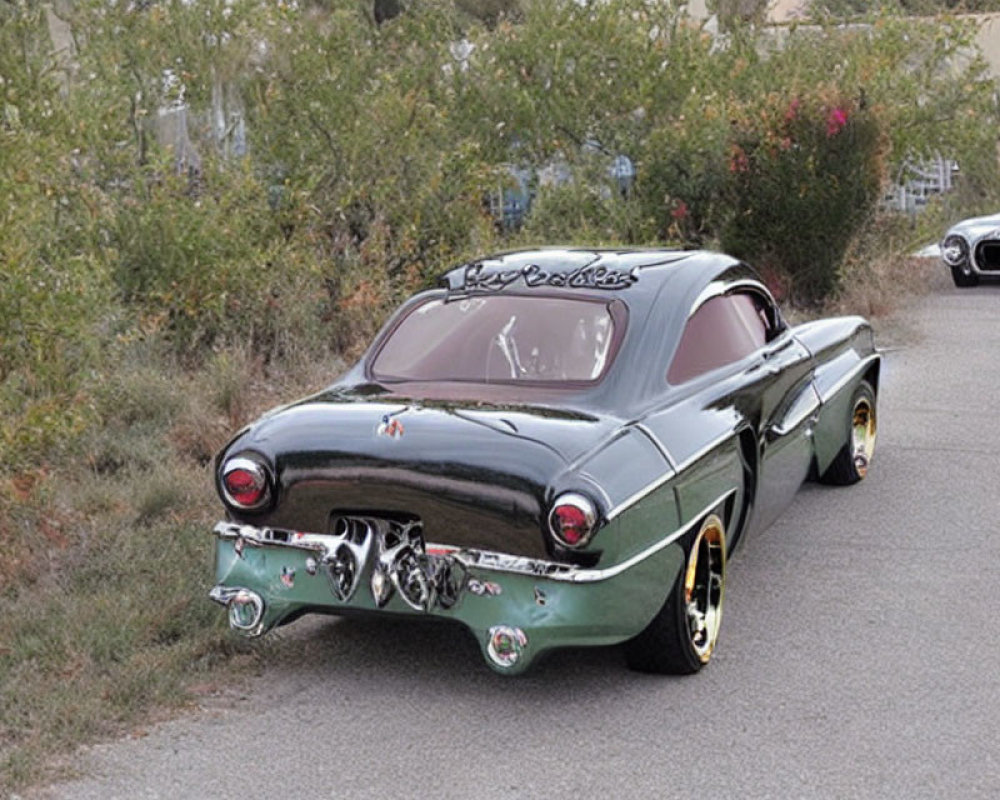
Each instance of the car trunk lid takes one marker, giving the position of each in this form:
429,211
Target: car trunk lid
475,476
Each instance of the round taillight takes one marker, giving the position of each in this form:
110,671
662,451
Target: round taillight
572,519
244,483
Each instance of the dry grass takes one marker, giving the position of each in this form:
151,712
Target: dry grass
105,560
880,287
882,274
883,288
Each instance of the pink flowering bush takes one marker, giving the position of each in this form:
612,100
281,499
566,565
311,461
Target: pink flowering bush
835,121
804,172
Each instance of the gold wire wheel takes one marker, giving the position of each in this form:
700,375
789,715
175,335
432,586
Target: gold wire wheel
863,431
704,585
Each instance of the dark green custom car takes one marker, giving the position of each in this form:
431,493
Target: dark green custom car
556,447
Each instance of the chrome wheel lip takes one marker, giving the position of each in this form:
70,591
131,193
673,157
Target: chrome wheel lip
864,430
704,587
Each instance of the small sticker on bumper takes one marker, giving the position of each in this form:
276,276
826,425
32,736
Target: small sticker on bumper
485,588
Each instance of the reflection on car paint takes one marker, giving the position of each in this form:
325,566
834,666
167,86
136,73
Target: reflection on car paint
390,426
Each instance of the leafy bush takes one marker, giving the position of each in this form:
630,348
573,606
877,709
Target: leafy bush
381,184
373,149
209,265
52,284
725,164
806,173
856,8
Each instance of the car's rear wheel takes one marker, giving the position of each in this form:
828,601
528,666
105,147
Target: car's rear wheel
963,276
682,636
851,463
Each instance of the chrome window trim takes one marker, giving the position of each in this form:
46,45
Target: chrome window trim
720,288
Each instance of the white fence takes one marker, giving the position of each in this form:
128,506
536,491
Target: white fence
918,181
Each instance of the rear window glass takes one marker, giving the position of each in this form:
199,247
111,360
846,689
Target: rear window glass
503,339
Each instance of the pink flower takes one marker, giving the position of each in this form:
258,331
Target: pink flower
835,121
793,110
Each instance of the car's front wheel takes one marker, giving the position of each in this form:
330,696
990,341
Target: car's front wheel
851,463
963,276
682,636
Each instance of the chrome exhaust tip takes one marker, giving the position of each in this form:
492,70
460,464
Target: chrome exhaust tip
246,608
505,645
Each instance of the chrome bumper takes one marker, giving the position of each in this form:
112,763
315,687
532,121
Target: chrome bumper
265,576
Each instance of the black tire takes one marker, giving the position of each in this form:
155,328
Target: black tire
682,636
963,276
851,463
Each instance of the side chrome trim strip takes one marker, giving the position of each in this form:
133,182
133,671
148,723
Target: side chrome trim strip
849,376
646,490
642,428
704,451
676,470
548,570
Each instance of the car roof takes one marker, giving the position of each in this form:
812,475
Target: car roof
660,288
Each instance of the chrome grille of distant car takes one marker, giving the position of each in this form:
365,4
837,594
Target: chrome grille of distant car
988,255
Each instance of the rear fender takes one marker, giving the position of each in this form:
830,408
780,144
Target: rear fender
845,353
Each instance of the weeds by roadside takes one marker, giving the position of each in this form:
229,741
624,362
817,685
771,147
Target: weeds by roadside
881,270
106,560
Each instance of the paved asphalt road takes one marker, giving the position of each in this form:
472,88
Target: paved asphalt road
859,655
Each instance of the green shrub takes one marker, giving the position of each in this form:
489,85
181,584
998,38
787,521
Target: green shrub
53,286
198,262
806,171
379,182
726,165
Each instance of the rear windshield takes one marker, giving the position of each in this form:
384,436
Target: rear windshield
503,339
